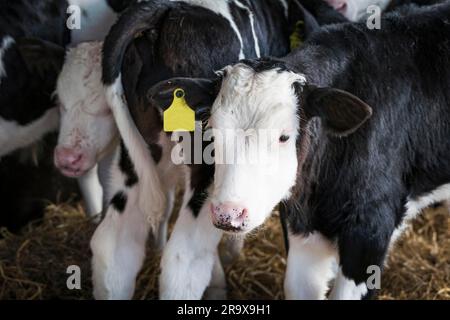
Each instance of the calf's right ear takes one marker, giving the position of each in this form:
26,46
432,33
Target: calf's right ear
341,112
200,94
41,57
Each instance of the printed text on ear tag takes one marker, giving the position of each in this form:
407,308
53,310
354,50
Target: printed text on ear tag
179,116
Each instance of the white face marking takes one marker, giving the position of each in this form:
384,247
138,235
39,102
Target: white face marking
264,105
6,43
96,22
220,7
355,10
87,124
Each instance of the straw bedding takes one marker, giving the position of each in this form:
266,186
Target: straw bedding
33,264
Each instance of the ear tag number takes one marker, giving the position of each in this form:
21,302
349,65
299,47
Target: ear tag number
179,116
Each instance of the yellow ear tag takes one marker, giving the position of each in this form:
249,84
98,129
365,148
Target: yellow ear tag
295,38
179,116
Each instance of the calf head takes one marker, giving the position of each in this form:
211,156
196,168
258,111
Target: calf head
260,115
88,130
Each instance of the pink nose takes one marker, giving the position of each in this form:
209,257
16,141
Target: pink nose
229,216
68,159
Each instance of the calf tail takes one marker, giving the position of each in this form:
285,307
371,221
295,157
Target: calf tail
136,19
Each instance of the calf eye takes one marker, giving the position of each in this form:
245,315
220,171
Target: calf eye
284,138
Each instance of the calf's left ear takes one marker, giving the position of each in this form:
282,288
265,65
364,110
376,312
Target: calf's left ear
341,112
199,94
41,57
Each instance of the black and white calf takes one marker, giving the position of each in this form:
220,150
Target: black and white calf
34,35
27,72
349,174
29,68
152,42
88,135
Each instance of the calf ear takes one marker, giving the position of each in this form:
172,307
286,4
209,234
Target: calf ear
41,57
341,112
199,94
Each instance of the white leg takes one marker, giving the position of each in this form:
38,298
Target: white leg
118,244
188,260
217,289
161,236
309,267
346,289
104,175
92,193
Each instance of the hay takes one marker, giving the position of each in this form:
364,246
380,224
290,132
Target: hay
33,265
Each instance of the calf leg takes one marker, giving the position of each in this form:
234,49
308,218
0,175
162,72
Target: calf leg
161,235
217,289
188,260
118,245
362,246
104,175
92,193
346,289
309,267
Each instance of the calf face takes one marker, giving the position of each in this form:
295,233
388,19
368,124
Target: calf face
255,120
275,104
87,126
261,116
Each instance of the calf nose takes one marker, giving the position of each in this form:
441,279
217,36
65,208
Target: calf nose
68,158
229,216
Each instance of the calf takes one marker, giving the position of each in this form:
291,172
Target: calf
88,135
32,66
152,42
27,67
349,174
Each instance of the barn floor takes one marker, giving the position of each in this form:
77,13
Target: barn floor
33,265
